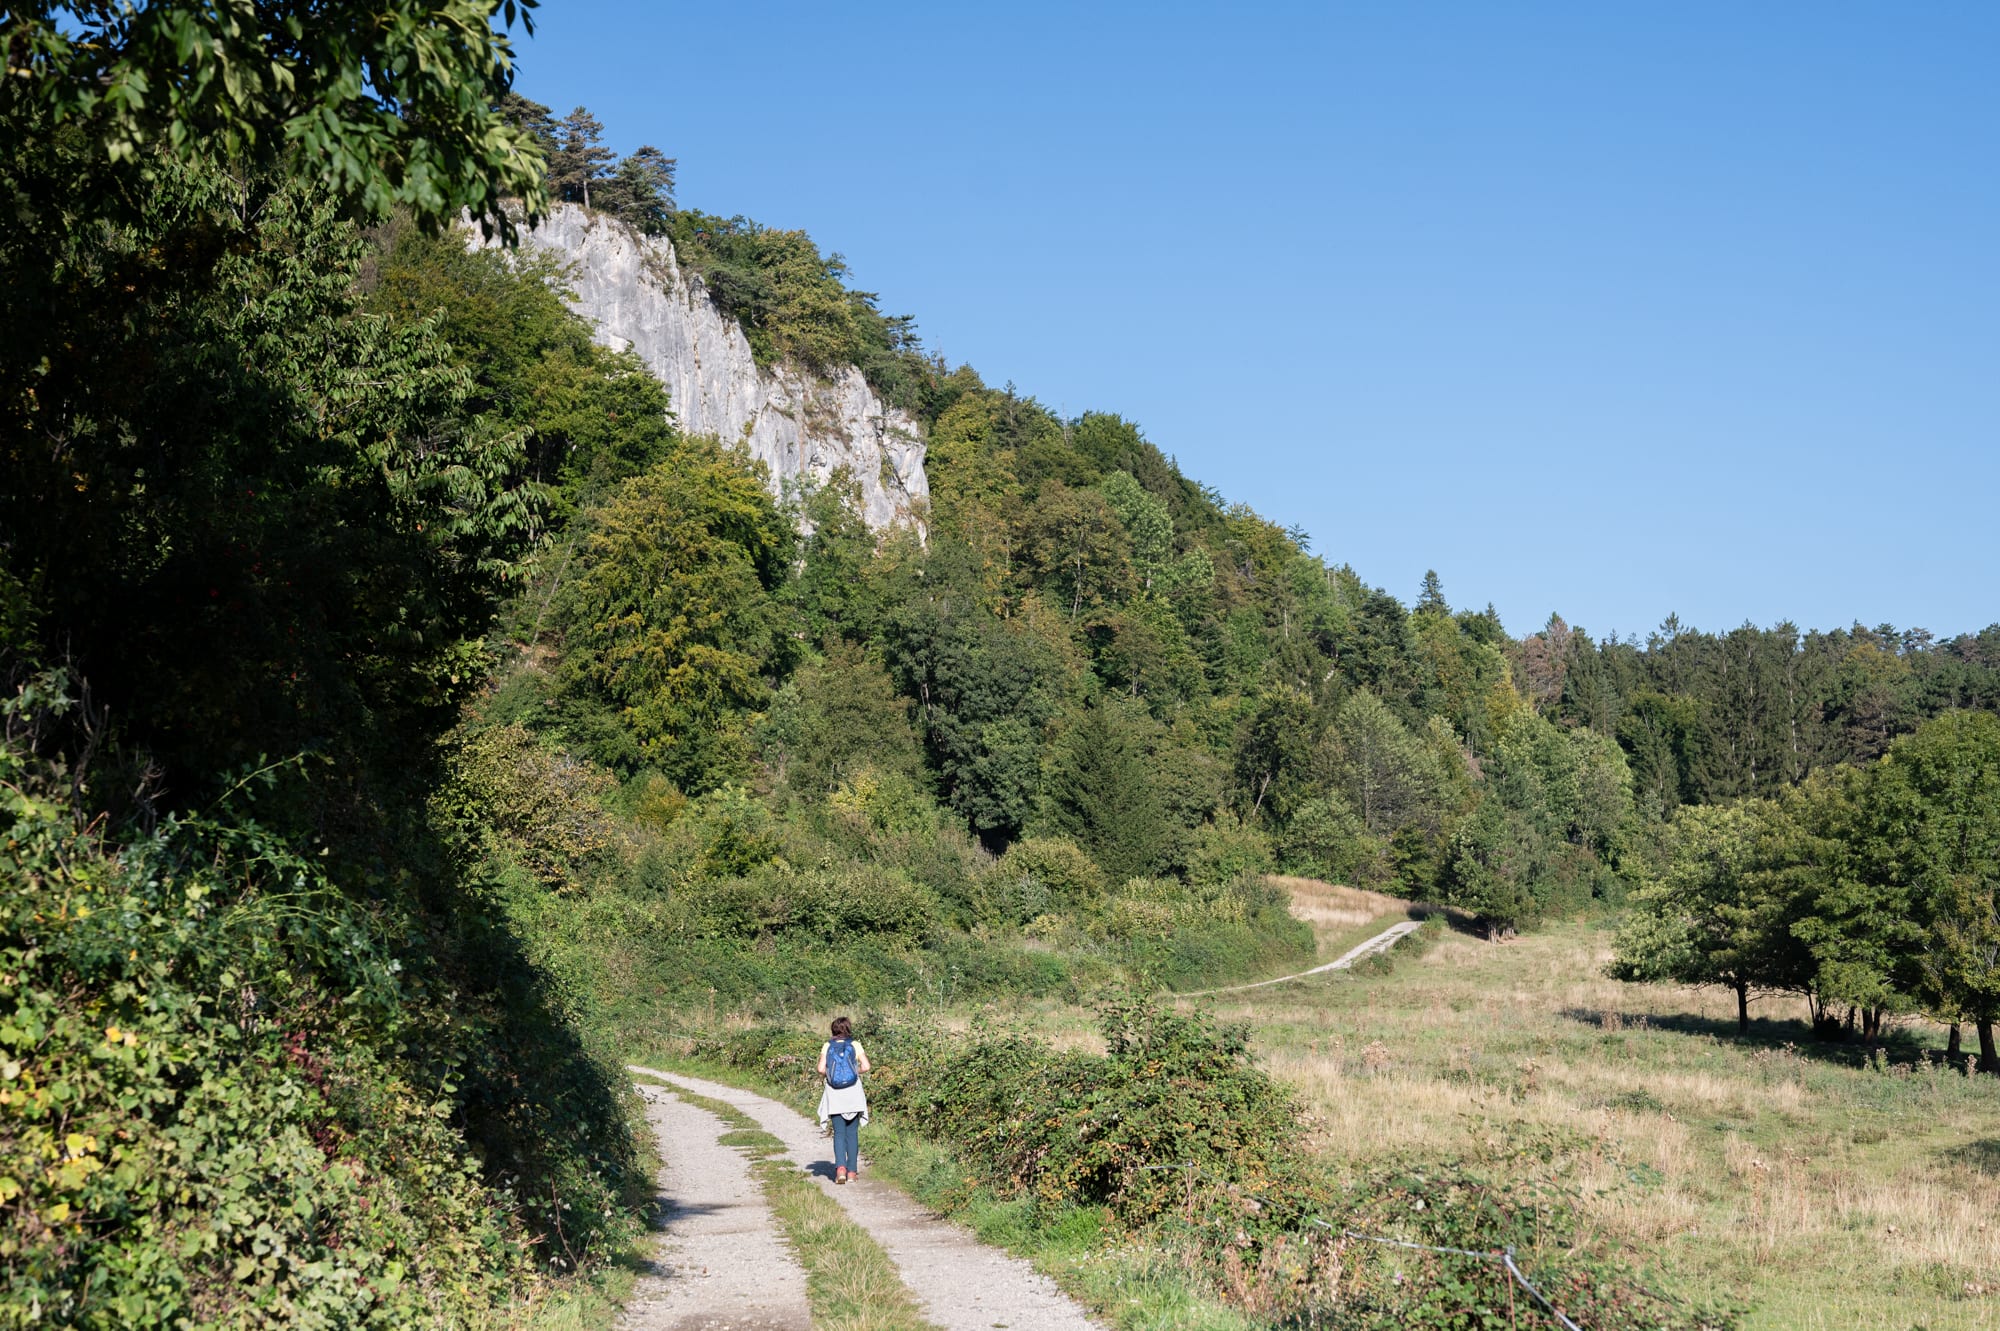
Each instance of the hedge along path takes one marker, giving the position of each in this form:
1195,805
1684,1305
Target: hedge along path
721,1262
960,1283
1381,942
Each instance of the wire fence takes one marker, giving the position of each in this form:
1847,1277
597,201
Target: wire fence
1504,1256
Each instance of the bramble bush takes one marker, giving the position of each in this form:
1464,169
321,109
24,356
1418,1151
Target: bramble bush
219,1104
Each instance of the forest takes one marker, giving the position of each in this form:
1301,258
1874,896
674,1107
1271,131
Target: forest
403,716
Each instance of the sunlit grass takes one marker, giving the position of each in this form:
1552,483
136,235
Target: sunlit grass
1814,1187
1811,1185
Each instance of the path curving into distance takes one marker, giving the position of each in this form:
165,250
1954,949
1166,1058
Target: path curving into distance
960,1284
723,1265
1381,942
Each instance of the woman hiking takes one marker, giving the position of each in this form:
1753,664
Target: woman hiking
843,1103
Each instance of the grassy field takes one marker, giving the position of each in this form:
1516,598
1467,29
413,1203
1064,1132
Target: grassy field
1819,1187
1822,1188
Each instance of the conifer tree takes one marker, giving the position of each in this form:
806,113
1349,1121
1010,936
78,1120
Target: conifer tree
1099,791
580,159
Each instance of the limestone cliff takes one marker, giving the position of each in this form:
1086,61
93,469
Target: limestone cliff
802,426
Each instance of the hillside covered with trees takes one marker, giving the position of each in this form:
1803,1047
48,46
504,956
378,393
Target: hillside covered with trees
402,714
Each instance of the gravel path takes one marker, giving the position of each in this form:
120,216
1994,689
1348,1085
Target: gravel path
721,1263
1381,942
960,1283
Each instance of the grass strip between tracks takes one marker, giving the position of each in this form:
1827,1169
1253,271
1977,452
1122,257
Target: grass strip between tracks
850,1281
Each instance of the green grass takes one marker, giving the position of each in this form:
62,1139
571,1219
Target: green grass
1814,1186
589,1302
1132,1287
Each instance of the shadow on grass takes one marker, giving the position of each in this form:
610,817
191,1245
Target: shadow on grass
1900,1047
1983,1156
1458,920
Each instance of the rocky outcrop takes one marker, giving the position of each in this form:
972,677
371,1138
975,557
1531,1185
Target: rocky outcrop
802,426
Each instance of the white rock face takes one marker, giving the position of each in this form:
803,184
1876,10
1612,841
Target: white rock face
633,290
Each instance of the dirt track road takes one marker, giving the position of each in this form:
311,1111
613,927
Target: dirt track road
1381,942
960,1283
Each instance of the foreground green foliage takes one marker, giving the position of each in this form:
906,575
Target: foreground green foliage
384,105
282,1066
225,1099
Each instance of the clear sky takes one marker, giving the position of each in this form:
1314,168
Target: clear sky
1606,309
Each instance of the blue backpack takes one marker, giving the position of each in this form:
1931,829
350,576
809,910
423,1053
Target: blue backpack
840,1073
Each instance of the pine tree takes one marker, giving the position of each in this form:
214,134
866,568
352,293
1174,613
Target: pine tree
1098,790
640,190
1431,598
579,160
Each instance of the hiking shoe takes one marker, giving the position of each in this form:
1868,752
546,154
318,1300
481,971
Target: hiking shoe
840,1176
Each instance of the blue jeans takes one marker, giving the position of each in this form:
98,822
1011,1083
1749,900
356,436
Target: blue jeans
847,1142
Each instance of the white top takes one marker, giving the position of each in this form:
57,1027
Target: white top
847,1099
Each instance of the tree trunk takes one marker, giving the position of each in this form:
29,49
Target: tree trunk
1989,1058
1954,1043
1742,1008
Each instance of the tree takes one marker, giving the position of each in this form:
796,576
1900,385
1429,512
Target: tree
387,104
259,519
1716,915
670,613
1491,866
1098,790
1384,773
594,417
580,159
834,590
984,688
1146,522
640,190
1325,839
1950,849
837,715
1274,752
1834,851
1430,599
1540,661
1073,545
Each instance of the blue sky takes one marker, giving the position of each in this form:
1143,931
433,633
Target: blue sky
1610,310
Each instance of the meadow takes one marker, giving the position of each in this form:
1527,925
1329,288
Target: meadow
1811,1185
1817,1186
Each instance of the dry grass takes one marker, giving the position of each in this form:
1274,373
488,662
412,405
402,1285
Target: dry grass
1817,1189
1333,909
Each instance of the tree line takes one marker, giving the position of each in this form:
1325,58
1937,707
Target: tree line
1870,889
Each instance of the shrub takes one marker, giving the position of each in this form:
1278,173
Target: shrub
1228,849
507,792
1042,873
219,1103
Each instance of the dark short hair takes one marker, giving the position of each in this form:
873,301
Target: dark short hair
843,1029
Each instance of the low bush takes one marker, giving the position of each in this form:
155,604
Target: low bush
1173,1139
